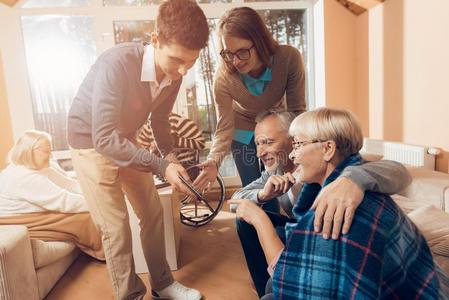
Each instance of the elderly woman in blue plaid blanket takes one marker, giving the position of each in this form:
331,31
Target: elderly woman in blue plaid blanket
383,256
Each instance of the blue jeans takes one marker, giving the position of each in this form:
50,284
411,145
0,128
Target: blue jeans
254,255
249,168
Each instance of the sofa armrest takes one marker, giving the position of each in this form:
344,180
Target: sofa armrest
428,187
17,274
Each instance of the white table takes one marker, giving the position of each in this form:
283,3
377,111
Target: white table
170,205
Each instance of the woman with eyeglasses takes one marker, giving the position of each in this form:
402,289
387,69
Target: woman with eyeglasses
256,74
41,196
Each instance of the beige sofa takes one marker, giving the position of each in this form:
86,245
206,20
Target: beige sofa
30,268
426,200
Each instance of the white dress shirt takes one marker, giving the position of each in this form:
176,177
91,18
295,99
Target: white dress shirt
149,73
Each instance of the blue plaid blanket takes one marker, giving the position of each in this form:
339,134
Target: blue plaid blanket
384,256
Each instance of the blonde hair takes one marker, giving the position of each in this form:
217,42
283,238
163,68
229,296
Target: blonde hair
22,153
324,124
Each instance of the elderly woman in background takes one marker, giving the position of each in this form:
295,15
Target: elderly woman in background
45,199
382,256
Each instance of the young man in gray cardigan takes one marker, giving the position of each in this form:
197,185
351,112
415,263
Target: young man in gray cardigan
334,207
126,84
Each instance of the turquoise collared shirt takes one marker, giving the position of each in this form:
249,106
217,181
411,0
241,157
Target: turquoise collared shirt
255,86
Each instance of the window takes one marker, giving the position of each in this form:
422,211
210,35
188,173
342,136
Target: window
59,52
150,2
130,2
287,25
132,31
54,3
196,101
96,25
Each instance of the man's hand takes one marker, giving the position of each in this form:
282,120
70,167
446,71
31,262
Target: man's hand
172,175
275,186
336,205
208,174
248,211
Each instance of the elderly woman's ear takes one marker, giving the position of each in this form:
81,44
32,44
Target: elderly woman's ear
329,149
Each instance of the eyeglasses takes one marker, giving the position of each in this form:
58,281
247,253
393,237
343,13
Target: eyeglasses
242,54
299,145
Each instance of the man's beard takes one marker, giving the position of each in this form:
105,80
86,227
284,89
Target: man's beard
273,167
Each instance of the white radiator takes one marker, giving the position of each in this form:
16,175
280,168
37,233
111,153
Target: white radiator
412,155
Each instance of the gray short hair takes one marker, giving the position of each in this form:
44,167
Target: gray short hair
284,117
323,124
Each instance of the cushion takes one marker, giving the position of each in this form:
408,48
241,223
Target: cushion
428,187
442,262
434,225
371,156
406,204
45,253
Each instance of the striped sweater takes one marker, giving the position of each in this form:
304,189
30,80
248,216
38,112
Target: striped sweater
187,138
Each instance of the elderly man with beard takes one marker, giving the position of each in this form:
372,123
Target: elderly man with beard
335,206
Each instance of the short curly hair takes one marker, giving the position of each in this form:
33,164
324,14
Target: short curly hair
183,22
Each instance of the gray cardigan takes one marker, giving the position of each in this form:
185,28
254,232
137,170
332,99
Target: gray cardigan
111,105
383,176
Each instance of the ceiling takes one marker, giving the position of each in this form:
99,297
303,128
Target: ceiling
358,7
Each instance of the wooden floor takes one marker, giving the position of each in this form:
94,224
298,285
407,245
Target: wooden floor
211,261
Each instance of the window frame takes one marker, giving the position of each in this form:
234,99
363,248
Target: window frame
103,17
